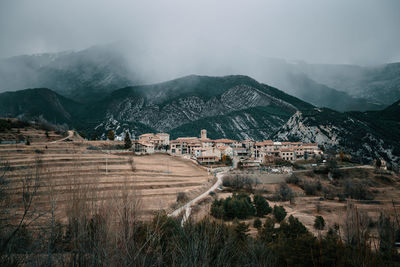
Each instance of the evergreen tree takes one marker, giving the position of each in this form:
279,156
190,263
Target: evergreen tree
262,206
279,213
257,223
127,140
217,209
267,232
319,223
378,163
241,230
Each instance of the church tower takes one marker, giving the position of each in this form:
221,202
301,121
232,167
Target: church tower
203,134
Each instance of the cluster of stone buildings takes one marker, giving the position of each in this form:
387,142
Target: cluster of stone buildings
149,143
250,153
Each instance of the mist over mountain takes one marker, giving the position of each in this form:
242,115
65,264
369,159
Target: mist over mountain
82,75
89,74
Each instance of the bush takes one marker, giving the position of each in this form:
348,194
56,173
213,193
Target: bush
312,187
282,162
238,182
226,160
257,223
329,192
37,151
293,228
298,166
93,148
111,135
181,197
284,193
241,230
279,213
262,206
357,189
319,223
293,179
238,206
217,209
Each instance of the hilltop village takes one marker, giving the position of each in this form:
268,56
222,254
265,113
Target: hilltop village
247,153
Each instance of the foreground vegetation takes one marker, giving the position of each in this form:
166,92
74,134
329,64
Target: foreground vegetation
96,235
97,240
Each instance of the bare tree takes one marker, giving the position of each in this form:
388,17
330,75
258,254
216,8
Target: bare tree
17,206
357,234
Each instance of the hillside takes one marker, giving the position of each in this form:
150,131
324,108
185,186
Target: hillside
197,101
33,103
390,113
365,135
238,106
256,123
235,106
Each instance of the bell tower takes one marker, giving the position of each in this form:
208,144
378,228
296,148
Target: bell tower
203,134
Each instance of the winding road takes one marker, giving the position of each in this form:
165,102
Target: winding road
70,135
187,208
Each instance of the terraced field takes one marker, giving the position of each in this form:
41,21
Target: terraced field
69,171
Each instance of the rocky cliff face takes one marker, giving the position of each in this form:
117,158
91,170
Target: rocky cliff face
166,116
364,135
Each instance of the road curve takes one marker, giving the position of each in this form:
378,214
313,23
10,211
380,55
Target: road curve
188,206
70,135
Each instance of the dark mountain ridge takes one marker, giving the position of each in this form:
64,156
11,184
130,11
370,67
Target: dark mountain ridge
235,106
90,74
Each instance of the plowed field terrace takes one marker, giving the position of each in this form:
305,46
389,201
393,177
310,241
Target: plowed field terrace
67,171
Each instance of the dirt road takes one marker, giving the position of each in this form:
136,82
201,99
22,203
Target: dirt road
188,206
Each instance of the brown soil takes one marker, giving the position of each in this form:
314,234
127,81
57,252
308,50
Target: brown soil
68,169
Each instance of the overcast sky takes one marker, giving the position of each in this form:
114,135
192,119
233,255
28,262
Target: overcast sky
320,31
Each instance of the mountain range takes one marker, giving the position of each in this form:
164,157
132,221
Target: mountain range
88,75
234,106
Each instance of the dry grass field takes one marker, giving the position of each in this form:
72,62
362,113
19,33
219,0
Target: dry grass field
67,172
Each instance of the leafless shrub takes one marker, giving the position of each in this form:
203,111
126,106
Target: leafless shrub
18,209
357,233
318,207
311,188
329,191
132,164
239,181
357,189
181,197
293,179
284,193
